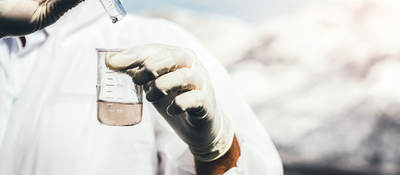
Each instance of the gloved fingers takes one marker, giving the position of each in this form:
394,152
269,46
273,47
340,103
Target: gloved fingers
179,81
154,60
16,17
49,12
61,5
193,102
132,58
124,61
21,17
131,72
163,62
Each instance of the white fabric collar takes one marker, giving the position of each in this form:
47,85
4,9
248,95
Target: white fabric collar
32,41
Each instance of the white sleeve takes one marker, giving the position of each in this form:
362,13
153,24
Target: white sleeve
258,154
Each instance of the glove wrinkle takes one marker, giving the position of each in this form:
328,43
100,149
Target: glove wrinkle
21,17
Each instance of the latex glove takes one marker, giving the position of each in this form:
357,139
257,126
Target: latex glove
20,17
180,89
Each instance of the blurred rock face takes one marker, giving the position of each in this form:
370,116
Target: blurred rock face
325,82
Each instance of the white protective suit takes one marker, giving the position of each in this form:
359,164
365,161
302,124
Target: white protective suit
48,123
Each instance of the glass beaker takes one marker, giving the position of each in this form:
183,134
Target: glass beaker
119,100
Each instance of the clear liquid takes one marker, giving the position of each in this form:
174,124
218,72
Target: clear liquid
119,114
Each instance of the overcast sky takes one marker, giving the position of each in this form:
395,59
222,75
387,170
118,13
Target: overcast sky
252,10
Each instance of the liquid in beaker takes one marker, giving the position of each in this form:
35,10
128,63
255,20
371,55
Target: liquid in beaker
119,114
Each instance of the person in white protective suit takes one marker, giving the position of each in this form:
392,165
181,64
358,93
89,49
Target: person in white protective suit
193,118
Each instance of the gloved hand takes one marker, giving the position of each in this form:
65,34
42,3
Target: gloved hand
20,17
180,89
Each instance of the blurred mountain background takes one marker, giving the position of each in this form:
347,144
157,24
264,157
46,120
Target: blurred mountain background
322,76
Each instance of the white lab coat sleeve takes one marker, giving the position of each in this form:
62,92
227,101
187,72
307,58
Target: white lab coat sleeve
258,154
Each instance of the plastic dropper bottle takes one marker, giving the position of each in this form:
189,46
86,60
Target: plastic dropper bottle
114,9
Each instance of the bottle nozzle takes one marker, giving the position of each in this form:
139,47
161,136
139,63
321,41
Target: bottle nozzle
114,9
